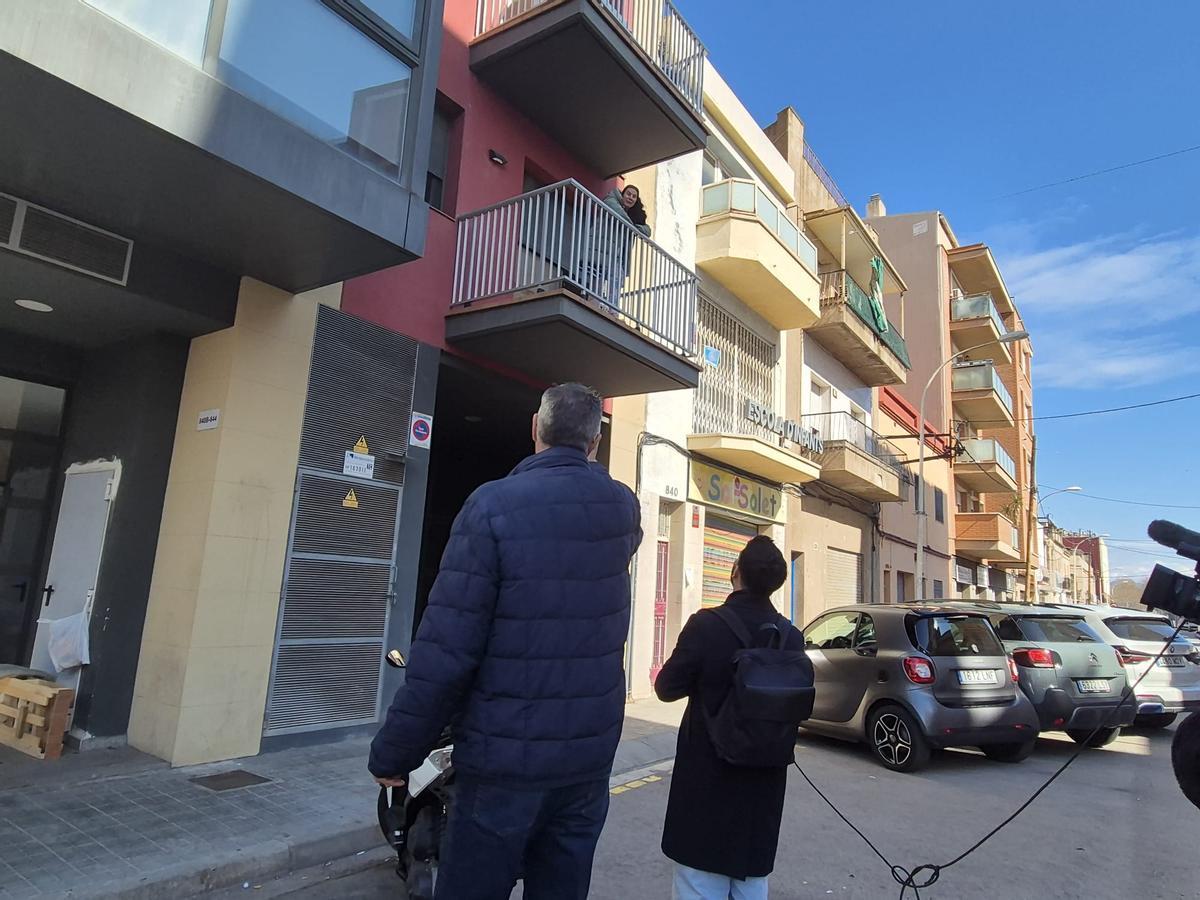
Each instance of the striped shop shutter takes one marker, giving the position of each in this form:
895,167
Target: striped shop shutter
723,541
340,570
843,578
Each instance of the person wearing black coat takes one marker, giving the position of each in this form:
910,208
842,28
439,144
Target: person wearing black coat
521,651
722,823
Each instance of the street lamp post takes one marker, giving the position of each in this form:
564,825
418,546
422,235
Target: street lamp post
1073,489
1007,338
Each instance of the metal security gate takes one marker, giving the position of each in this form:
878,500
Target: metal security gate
843,578
340,575
723,541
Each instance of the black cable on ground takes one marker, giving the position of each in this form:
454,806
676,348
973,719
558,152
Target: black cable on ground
927,874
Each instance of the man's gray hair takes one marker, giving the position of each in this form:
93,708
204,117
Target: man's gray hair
569,416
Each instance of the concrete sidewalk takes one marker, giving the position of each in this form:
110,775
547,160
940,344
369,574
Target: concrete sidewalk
118,823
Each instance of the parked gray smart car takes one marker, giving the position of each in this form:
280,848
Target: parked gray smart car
1073,678
909,678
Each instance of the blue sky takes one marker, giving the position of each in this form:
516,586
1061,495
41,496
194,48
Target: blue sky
953,106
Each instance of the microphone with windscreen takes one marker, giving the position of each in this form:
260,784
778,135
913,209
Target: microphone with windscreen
1182,540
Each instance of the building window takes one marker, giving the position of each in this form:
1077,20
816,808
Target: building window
939,589
939,504
438,193
314,68
739,366
399,16
180,26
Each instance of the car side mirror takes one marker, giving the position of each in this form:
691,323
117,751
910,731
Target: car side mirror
396,659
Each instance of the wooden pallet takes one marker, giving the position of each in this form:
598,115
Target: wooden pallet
34,716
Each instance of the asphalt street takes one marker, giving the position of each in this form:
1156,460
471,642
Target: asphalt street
1114,825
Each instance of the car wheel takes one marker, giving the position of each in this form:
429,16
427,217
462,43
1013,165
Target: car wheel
1009,753
1102,738
897,740
1157,720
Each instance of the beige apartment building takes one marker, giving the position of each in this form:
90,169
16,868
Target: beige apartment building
1067,572
979,399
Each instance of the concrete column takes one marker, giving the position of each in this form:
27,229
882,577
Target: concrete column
206,651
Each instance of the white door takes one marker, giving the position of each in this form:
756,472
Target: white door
75,554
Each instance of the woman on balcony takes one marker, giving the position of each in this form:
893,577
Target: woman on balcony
628,207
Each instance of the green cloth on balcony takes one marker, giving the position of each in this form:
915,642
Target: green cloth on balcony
876,296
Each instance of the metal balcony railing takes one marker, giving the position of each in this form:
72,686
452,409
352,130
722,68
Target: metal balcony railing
839,288
563,233
981,450
980,377
842,426
977,306
655,25
743,195
824,177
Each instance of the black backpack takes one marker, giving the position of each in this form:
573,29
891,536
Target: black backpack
772,694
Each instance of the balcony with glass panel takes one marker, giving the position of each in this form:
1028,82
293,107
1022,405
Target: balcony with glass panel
975,320
556,285
618,83
747,243
985,467
979,395
989,536
276,146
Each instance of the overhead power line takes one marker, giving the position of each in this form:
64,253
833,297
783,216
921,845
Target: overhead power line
1089,412
1098,172
1126,502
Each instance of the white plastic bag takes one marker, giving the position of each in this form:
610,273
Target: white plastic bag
68,642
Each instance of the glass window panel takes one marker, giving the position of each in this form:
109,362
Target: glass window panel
311,66
400,14
180,26
743,196
790,234
767,211
716,198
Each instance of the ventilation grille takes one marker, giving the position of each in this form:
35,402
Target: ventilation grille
47,235
361,386
335,599
8,215
324,684
330,521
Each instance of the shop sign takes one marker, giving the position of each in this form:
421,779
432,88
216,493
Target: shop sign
808,439
737,493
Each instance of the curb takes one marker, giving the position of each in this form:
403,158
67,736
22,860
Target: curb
271,859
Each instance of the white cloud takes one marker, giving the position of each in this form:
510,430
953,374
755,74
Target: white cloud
1101,311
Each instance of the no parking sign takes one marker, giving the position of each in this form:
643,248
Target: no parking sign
420,434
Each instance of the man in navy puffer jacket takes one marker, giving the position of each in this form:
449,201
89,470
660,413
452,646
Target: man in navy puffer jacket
522,648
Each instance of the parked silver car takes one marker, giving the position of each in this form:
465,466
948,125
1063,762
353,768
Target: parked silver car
906,679
1074,679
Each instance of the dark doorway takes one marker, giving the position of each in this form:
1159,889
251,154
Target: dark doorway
30,437
482,429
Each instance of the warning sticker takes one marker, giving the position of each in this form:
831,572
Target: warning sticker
351,500
360,446
421,430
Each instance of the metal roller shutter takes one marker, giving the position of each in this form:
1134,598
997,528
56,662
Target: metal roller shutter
843,578
723,541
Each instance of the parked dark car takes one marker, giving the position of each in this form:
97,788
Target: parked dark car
1074,679
906,679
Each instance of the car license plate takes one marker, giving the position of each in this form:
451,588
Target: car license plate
1173,662
1093,685
976,676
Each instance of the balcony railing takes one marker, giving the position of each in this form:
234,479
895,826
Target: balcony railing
564,233
655,25
824,177
976,377
838,287
976,306
989,450
842,426
741,195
